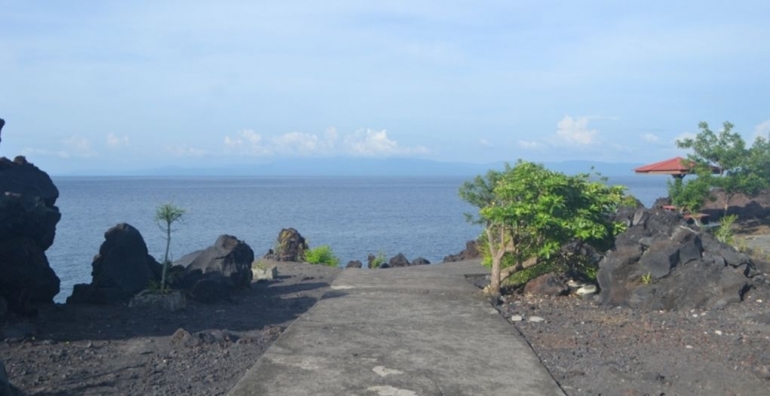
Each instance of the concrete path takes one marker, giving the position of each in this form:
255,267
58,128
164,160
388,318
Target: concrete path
414,331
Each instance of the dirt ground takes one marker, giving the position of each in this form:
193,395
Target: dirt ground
591,350
202,350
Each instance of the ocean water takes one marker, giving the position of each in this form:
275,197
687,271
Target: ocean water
356,216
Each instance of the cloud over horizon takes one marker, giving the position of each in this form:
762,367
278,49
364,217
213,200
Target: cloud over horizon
364,143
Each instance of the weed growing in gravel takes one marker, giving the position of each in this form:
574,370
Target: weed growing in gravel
647,278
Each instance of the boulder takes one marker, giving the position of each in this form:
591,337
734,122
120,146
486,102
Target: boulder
470,252
420,261
122,268
28,218
290,246
355,264
211,274
746,208
6,388
398,260
660,262
547,285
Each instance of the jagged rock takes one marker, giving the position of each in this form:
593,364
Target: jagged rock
547,285
470,252
210,274
398,260
661,263
355,264
28,218
745,208
419,261
290,246
25,276
172,301
6,388
122,268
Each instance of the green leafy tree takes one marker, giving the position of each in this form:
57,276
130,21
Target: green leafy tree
690,195
166,215
739,167
533,212
479,192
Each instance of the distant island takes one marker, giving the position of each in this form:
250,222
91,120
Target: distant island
357,167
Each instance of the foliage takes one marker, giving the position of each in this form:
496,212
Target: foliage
378,260
534,211
689,196
479,192
322,255
724,233
647,278
166,215
742,170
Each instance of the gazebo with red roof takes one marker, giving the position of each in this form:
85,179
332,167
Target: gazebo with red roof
677,167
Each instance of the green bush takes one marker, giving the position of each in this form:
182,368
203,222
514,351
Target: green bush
724,233
379,260
322,255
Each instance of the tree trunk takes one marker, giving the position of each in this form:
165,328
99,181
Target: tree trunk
506,273
497,254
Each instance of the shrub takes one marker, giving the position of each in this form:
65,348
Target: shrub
322,255
724,233
378,260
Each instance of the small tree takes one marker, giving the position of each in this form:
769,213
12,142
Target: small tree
533,212
166,215
740,169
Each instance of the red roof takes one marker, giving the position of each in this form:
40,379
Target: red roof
673,166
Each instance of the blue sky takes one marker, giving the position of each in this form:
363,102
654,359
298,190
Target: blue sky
142,84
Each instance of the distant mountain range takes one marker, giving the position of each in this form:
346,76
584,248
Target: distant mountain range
370,167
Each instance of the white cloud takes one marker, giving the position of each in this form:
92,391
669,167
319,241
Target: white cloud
116,141
360,143
485,143
762,130
576,131
650,137
376,143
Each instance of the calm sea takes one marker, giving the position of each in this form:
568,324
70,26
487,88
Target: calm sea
420,216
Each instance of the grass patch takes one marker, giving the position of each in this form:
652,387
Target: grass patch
322,255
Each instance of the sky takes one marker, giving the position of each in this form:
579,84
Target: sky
115,85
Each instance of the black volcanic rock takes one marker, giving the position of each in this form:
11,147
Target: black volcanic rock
28,218
122,268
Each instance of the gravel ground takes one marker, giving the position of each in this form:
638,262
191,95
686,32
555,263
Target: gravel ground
114,350
592,350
